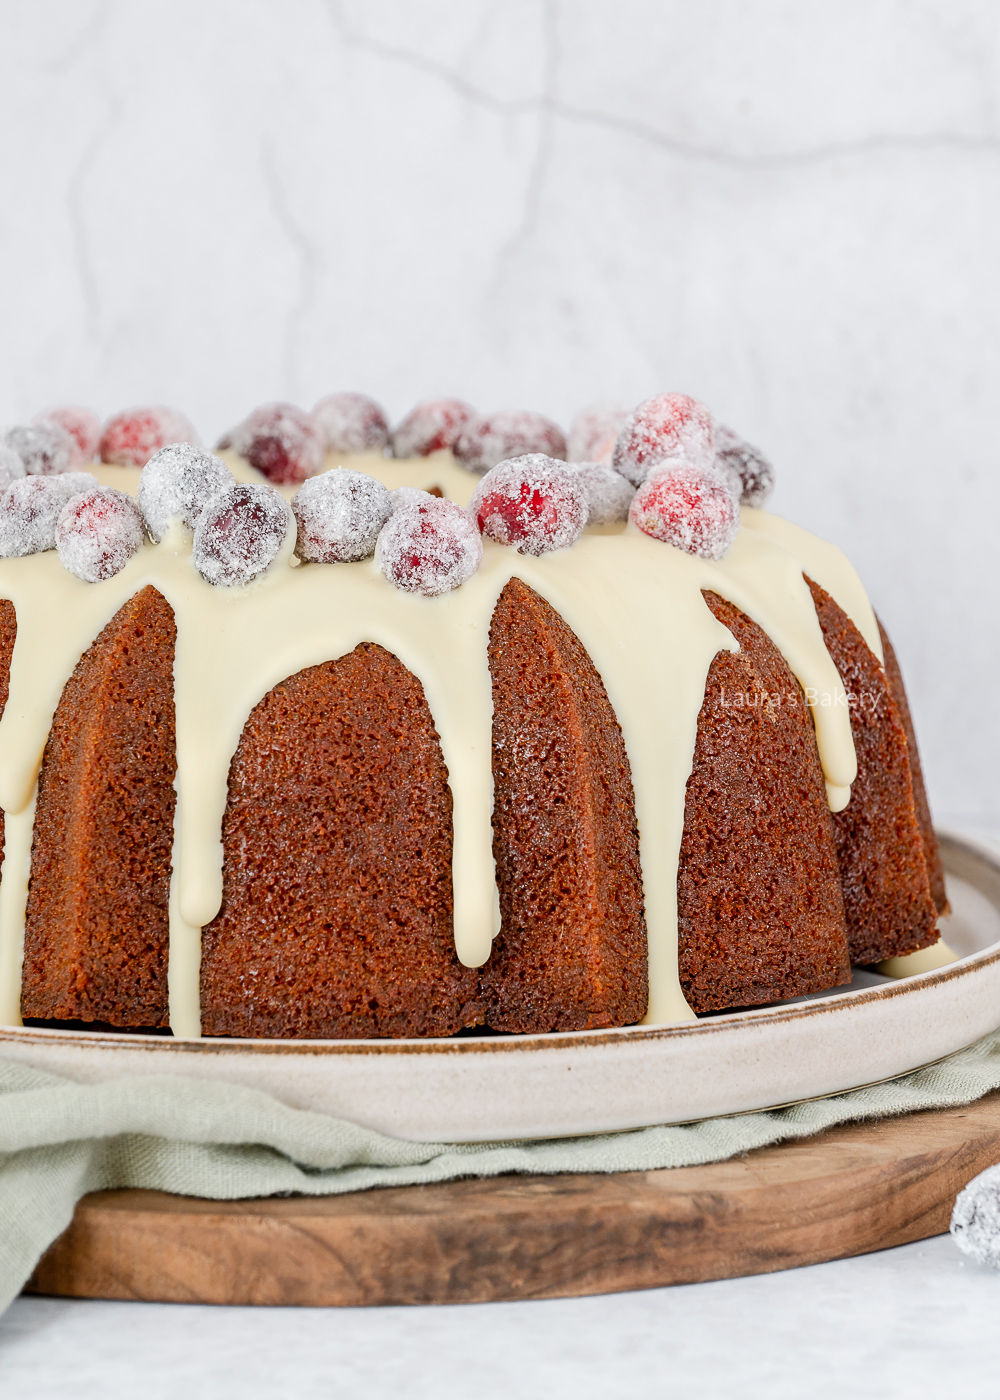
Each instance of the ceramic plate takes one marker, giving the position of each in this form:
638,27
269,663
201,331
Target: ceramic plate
474,1089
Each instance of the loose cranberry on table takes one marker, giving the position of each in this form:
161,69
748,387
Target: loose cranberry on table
349,422
594,432
29,508
44,449
689,506
82,424
431,427
280,440
239,533
429,548
339,514
177,483
495,438
534,503
130,438
667,427
97,532
751,472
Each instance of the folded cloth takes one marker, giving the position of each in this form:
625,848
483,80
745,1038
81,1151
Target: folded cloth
59,1140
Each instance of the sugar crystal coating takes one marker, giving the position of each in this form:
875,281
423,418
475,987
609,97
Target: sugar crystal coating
177,483
131,437
594,432
280,440
351,422
748,465
45,449
486,442
82,424
97,532
339,514
11,465
533,502
975,1219
690,506
429,548
239,533
430,427
409,496
608,494
29,508
666,427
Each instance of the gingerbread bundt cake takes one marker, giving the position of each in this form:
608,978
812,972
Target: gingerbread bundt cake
307,740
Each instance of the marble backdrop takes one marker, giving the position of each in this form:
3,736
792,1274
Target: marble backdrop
790,210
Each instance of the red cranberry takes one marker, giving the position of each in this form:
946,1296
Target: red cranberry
281,441
177,483
752,473
594,432
431,427
667,427
29,508
339,514
534,503
689,506
82,424
429,548
130,438
608,494
45,449
97,533
351,423
485,442
239,533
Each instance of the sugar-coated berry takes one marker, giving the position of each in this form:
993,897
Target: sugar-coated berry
82,424
239,533
11,466
533,502
975,1219
45,449
339,514
130,438
608,494
410,496
97,532
29,508
667,427
690,506
280,440
748,466
594,432
429,548
430,427
177,483
486,442
351,423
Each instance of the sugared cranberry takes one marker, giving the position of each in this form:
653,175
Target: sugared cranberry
667,427
177,483
11,466
690,506
97,532
82,424
752,472
29,508
410,496
281,441
594,432
486,442
45,449
608,494
130,438
431,427
534,503
339,514
351,423
239,533
429,548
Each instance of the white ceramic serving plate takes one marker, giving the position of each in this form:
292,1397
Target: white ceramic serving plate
474,1089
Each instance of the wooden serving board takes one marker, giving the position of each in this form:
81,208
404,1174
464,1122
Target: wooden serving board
847,1191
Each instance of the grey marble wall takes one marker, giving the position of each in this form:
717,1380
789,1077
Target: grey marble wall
790,208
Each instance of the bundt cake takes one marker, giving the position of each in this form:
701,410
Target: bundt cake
306,740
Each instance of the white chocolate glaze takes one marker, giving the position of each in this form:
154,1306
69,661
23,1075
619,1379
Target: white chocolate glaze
635,604
923,960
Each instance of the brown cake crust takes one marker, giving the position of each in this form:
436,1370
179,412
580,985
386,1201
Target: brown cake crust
8,633
96,929
760,913
571,954
887,897
336,918
932,856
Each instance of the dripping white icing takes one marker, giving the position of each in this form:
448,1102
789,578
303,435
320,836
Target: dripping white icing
635,604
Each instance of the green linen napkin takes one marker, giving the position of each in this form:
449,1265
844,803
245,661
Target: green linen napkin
59,1140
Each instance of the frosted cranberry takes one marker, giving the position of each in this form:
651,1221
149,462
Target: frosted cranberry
608,494
29,508
177,483
689,506
410,496
130,438
45,449
97,532
485,442
431,427
82,424
239,533
534,503
667,427
11,466
339,514
429,548
594,432
281,441
351,423
751,472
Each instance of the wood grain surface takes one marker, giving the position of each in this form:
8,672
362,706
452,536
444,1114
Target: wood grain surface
846,1191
